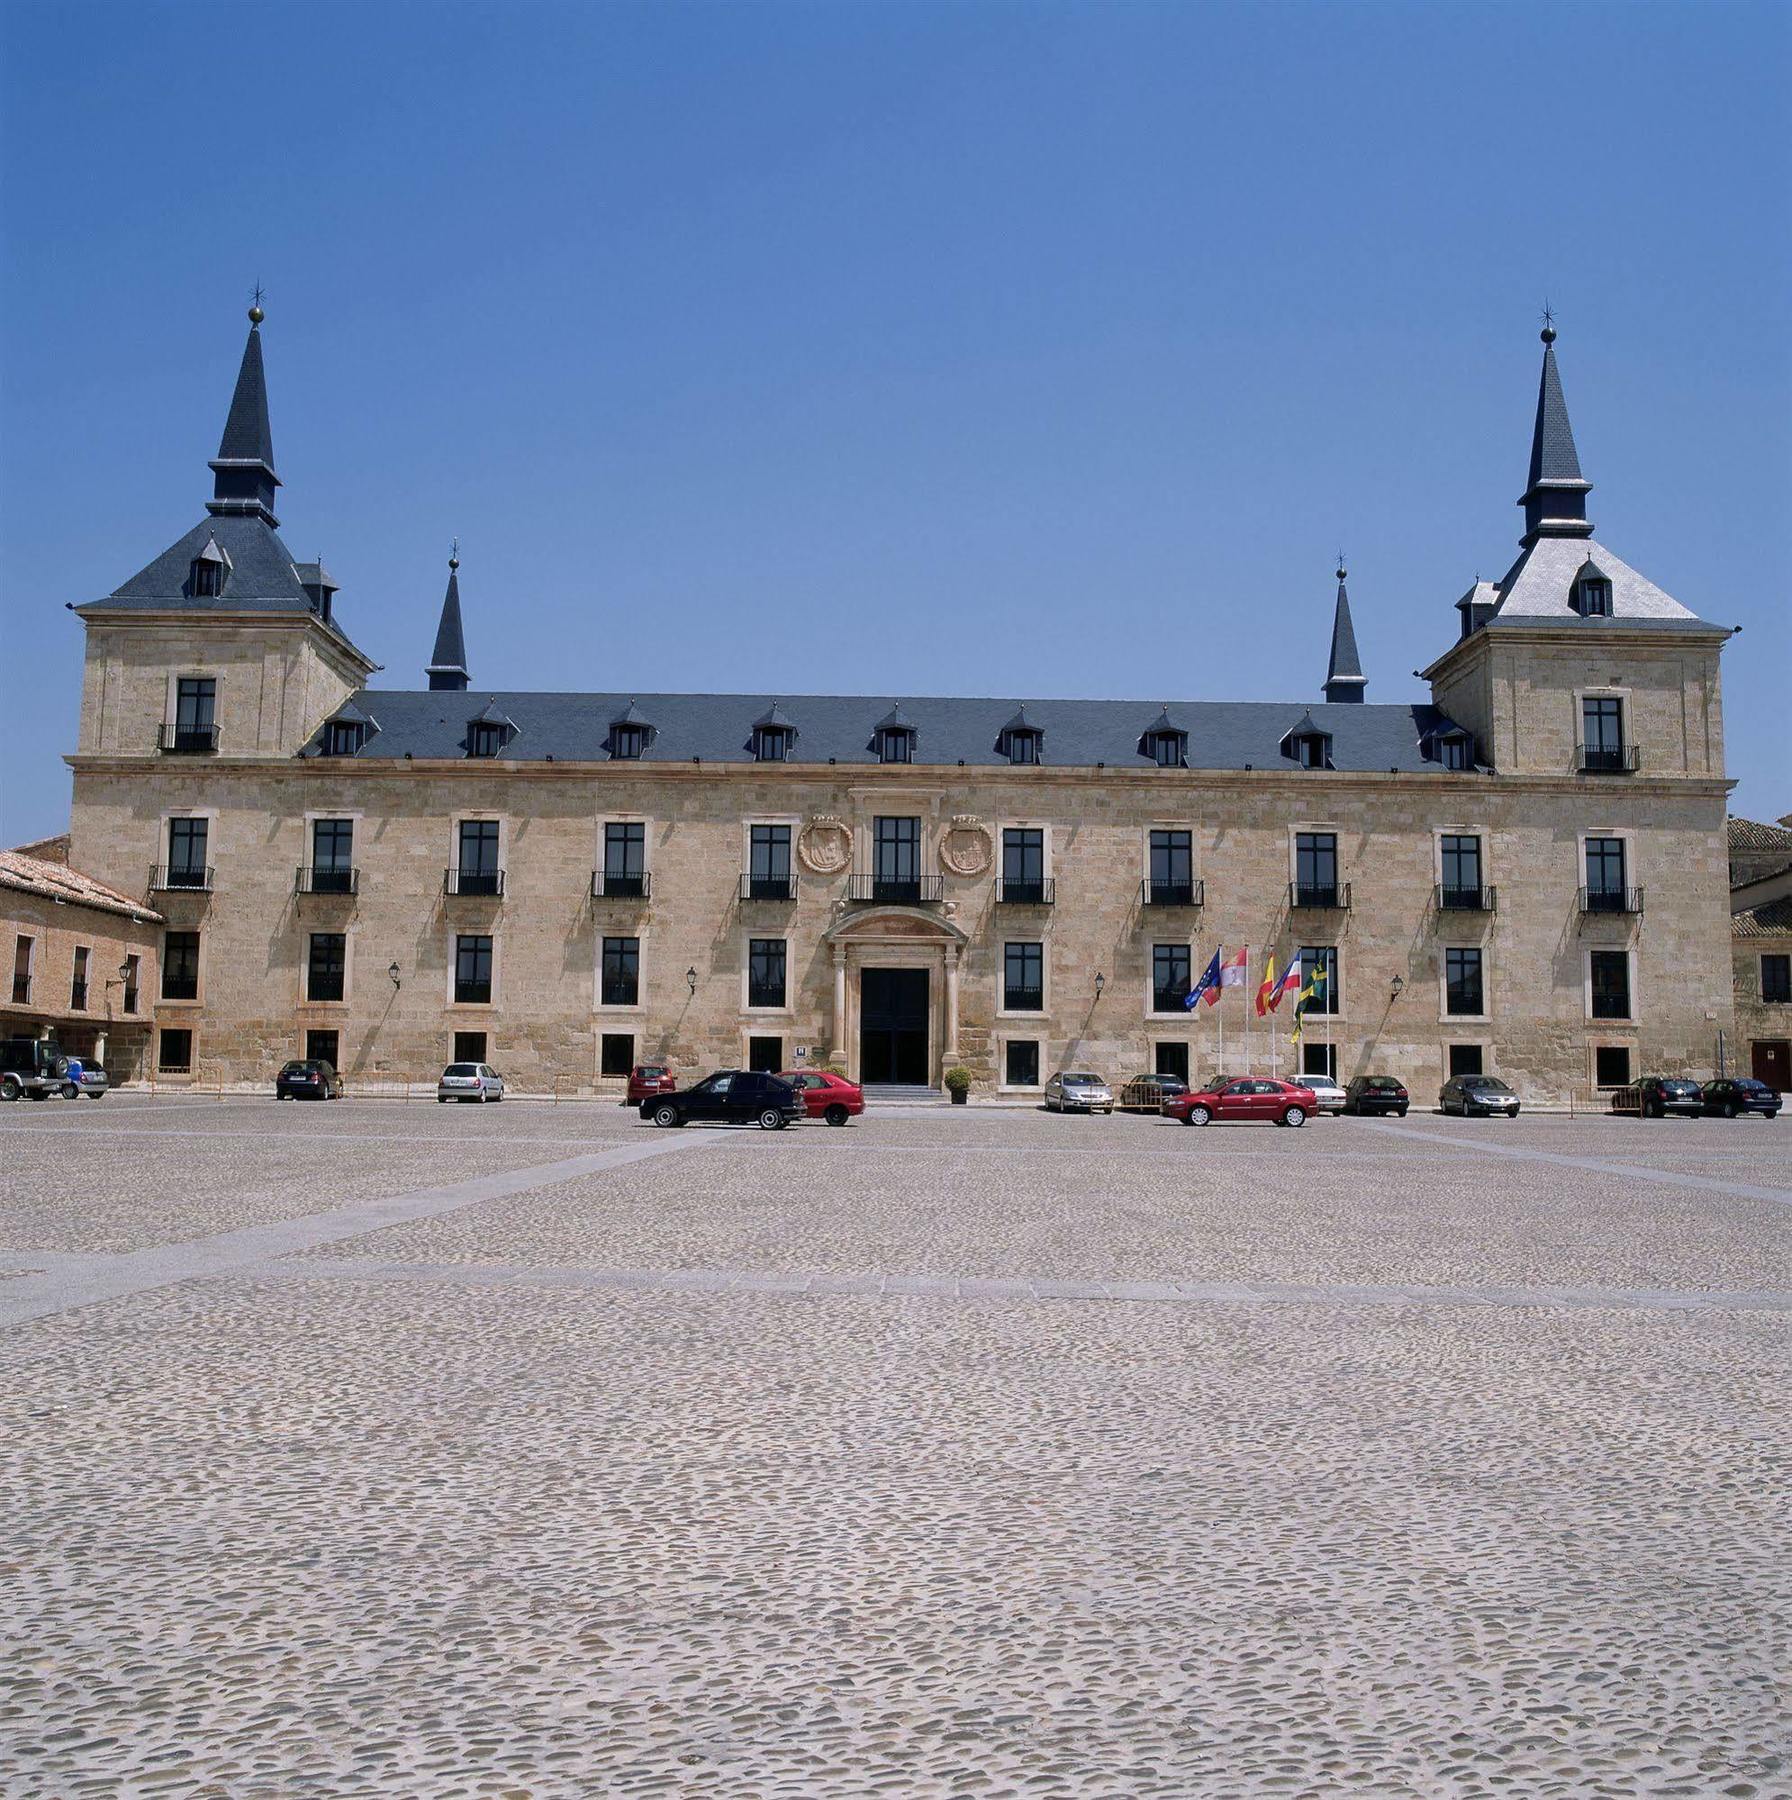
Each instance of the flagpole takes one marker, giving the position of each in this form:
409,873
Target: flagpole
1250,1005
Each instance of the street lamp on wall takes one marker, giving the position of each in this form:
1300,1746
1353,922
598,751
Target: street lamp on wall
1101,981
1396,987
690,981
393,971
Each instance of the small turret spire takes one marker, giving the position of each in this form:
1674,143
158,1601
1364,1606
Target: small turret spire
1555,496
447,670
243,478
1344,677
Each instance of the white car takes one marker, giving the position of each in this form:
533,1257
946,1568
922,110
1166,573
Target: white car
1328,1097
1076,1090
469,1081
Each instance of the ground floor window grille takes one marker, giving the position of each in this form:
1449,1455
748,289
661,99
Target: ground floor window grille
1466,1059
174,1051
616,1054
1171,1059
1319,1059
1611,1065
322,1046
1020,1066
765,1054
469,1046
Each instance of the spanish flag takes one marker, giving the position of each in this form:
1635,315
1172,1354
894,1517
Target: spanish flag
1271,985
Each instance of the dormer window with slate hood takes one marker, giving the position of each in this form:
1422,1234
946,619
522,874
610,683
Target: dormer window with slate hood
773,736
489,733
893,739
1452,747
1020,740
345,731
1165,742
320,588
630,734
206,573
1308,745
1592,596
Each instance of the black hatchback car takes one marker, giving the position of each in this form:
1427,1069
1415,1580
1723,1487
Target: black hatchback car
1656,1096
730,1097
1376,1094
1731,1099
308,1079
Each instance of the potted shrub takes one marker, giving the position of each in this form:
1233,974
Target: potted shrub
958,1084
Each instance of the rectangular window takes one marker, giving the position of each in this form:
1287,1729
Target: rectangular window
469,1046
473,970
1602,733
1169,977
765,972
21,971
1020,1063
77,987
180,965
1454,752
187,840
132,967
332,856
1329,998
1464,994
1461,870
1023,978
765,1055
478,852
1609,972
486,737
616,1054
1465,1059
896,859
1776,980
195,712
1319,1059
1023,864
174,1050
625,858
343,737
1172,868
1611,1065
768,862
622,971
324,1046
1316,868
1605,874
1023,747
1171,1059
327,963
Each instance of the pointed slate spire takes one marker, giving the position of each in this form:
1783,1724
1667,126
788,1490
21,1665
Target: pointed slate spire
243,478
1344,677
1555,497
447,670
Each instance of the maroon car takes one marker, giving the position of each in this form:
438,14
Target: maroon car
1243,1099
647,1081
826,1095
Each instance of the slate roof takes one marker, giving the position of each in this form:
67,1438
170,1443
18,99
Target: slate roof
450,654
1553,456
1540,585
1772,919
1345,665
57,881
1222,734
248,437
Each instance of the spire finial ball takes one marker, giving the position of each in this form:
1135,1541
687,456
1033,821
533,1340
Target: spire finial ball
454,562
1548,334
256,315
1342,571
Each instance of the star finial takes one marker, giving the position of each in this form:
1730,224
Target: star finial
256,315
1341,568
1549,324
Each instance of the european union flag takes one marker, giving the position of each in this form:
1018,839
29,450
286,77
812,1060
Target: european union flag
1210,979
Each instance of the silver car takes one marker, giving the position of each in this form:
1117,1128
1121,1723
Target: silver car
469,1081
1328,1097
1076,1090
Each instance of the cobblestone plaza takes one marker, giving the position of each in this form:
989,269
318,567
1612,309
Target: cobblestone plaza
379,1449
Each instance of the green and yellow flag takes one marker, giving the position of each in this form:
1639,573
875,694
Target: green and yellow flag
1315,983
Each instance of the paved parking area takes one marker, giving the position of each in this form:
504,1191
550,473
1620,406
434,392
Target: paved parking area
391,1449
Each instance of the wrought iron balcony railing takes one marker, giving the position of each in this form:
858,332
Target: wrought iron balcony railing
484,884
188,740
607,886
768,887
1172,893
1027,893
333,880
1466,899
1170,999
1611,900
1023,999
1591,761
166,879
1335,898
888,890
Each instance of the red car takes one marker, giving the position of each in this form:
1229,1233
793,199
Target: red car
647,1081
1243,1098
830,1097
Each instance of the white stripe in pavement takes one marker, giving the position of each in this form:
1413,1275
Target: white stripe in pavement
64,1287
1596,1165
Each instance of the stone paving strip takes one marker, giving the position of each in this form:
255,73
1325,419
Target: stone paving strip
949,1287
65,1283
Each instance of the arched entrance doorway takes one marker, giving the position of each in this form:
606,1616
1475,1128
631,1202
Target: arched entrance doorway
896,994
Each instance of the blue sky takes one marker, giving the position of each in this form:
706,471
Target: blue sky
1015,349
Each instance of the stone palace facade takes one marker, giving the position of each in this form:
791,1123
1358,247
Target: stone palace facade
1525,874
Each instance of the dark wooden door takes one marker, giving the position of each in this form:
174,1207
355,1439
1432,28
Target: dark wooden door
893,1026
1773,1063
